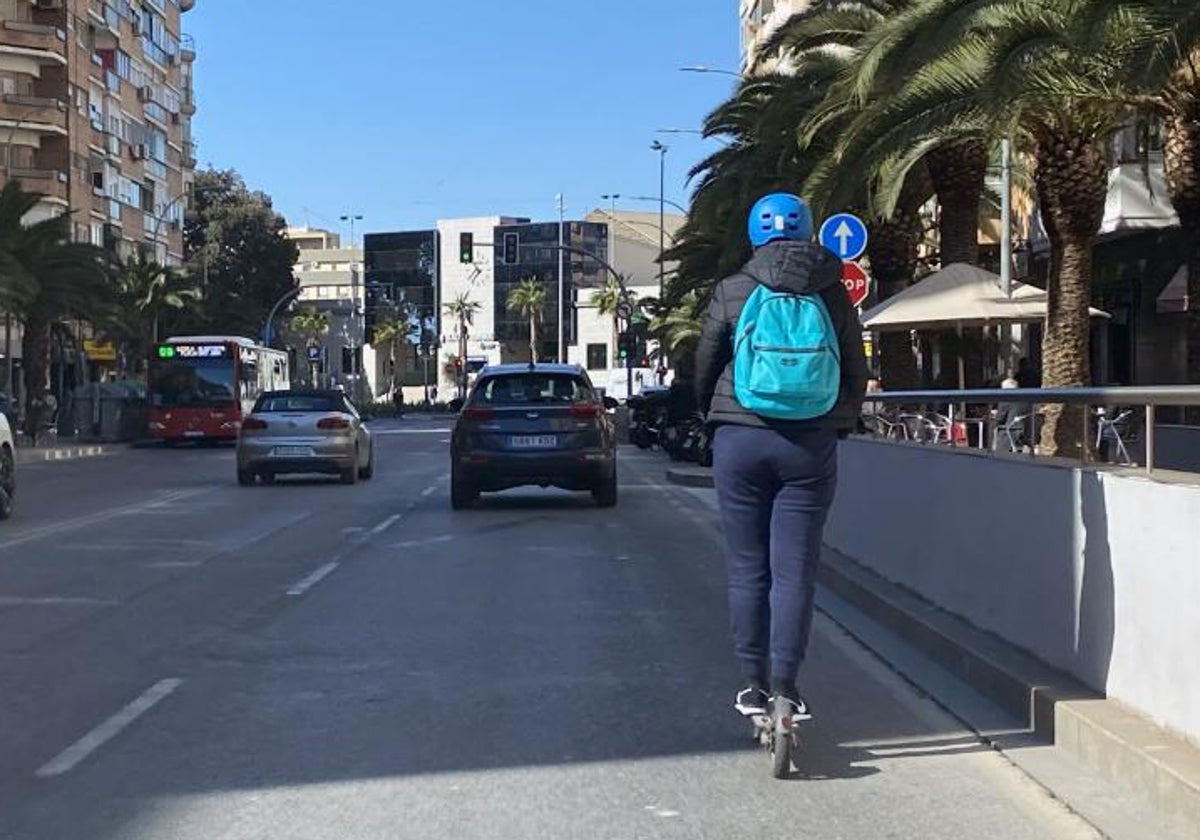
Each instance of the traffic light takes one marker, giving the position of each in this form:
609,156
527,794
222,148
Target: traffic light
626,346
512,247
466,247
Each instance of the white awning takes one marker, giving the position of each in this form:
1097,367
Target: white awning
959,295
1174,298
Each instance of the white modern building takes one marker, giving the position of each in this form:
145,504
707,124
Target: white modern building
331,281
476,282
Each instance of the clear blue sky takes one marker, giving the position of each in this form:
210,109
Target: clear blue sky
407,111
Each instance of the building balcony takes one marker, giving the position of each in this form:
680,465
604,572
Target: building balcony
47,43
187,48
33,113
187,5
188,158
187,104
48,182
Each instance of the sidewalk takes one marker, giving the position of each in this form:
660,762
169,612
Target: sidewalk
26,455
1159,768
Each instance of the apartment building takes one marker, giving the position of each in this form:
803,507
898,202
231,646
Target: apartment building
96,112
759,19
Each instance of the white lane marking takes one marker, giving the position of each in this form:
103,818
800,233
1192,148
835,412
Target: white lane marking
430,541
101,516
429,491
54,601
303,585
385,524
108,730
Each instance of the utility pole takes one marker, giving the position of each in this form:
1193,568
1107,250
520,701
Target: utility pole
656,146
562,352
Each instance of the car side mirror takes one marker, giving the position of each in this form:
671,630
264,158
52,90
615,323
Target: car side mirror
455,405
610,404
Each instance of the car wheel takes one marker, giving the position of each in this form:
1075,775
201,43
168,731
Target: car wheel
245,477
462,494
369,470
267,477
8,483
606,493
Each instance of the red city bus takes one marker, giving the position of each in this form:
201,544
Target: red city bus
201,386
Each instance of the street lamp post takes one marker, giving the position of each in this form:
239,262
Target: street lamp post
655,198
704,68
657,146
358,336
611,198
562,354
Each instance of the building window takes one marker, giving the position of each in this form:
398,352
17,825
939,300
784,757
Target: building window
597,356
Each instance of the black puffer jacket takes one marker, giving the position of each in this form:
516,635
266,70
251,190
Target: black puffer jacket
802,267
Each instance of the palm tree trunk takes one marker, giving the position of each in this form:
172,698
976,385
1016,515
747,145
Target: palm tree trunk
35,352
1072,184
533,355
893,253
1181,157
957,172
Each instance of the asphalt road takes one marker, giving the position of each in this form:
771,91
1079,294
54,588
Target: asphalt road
184,658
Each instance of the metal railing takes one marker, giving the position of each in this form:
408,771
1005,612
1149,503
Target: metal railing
1149,398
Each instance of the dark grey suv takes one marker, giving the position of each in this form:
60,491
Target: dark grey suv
534,424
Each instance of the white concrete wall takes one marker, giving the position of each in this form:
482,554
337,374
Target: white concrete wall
1094,572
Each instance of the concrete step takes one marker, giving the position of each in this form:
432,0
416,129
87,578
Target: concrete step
1122,746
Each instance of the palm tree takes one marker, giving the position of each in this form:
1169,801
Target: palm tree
995,66
48,279
394,327
607,301
1166,77
146,290
529,299
311,324
463,310
678,328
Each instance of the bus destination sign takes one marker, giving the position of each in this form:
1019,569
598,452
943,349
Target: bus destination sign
193,351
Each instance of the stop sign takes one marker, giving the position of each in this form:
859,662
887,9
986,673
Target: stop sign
856,281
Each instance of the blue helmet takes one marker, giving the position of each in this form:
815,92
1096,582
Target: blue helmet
779,216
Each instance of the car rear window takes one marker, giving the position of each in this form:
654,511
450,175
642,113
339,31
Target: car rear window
299,402
533,388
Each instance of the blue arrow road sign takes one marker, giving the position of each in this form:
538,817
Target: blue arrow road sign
845,235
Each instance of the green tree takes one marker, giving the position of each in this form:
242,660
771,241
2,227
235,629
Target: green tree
145,292
395,328
607,301
529,299
312,325
50,279
235,244
463,310
1019,66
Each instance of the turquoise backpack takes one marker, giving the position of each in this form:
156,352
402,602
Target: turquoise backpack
786,359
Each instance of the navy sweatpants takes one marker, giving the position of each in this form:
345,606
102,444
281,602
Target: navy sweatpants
774,494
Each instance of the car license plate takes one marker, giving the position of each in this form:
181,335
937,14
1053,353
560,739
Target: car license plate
292,451
193,434
533,441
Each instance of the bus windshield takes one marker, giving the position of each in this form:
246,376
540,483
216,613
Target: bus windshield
186,383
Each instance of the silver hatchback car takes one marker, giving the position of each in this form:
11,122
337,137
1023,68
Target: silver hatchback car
304,432
8,469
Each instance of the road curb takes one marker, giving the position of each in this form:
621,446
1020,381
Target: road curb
690,476
1124,747
26,457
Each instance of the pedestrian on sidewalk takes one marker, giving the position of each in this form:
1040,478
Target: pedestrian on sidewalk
779,398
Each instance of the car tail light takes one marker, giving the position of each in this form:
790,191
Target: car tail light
479,413
333,423
587,410
253,424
